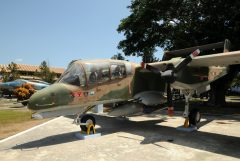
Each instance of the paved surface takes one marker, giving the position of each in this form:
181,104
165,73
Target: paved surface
11,104
147,137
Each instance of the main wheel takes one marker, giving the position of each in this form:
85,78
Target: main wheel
194,117
89,119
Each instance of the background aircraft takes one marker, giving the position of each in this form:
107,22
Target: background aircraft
9,87
133,87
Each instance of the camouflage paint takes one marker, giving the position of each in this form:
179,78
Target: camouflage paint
70,96
115,94
55,95
121,89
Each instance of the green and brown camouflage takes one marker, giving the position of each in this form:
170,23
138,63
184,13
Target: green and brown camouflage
88,83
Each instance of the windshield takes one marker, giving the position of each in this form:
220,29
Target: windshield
74,75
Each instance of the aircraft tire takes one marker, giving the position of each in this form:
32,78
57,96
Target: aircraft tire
194,117
87,119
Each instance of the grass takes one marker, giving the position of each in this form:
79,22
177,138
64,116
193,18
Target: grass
14,121
14,116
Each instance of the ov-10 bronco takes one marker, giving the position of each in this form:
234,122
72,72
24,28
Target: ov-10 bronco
134,87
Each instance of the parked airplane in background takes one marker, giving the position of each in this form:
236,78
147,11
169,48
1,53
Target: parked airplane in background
9,87
135,88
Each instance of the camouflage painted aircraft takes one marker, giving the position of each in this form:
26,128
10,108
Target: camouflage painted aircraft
135,88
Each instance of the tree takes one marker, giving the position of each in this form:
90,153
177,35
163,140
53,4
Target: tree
45,73
118,57
10,73
179,24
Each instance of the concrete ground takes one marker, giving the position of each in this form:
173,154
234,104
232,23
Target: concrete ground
148,137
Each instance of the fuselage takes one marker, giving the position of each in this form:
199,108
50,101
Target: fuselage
87,83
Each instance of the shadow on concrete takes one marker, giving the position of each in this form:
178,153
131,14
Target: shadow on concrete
153,133
47,141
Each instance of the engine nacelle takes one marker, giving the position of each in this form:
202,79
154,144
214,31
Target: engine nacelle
127,109
151,98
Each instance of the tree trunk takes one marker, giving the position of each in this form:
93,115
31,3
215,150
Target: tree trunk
217,94
219,87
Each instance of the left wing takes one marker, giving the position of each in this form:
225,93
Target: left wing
220,59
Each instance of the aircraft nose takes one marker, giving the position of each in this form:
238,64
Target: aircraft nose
49,97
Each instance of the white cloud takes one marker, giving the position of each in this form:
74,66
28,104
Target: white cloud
18,60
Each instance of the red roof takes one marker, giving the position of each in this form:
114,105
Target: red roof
33,68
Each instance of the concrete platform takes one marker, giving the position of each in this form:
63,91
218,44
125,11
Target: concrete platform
139,138
81,136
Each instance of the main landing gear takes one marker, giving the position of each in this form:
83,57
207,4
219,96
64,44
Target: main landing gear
193,117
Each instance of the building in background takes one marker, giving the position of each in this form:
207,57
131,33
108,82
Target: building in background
29,71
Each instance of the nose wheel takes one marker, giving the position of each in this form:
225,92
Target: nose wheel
85,121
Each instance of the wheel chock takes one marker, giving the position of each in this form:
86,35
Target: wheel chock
90,129
90,133
186,122
186,127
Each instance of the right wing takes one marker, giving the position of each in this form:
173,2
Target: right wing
220,59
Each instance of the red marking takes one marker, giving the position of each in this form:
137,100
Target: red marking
195,53
170,111
79,94
142,64
76,94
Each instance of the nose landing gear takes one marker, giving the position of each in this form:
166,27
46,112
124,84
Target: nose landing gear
86,122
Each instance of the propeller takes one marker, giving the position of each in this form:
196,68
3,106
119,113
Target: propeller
171,74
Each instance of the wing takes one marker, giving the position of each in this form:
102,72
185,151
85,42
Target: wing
220,59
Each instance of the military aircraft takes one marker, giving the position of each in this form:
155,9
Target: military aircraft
9,87
134,87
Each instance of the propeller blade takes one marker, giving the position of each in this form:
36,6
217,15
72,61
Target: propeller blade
171,74
186,61
153,69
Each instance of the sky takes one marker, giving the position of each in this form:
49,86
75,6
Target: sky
59,31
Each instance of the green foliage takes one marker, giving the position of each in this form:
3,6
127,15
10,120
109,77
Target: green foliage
11,73
45,74
118,57
178,24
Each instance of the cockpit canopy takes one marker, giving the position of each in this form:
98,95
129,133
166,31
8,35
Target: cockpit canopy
73,75
80,73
